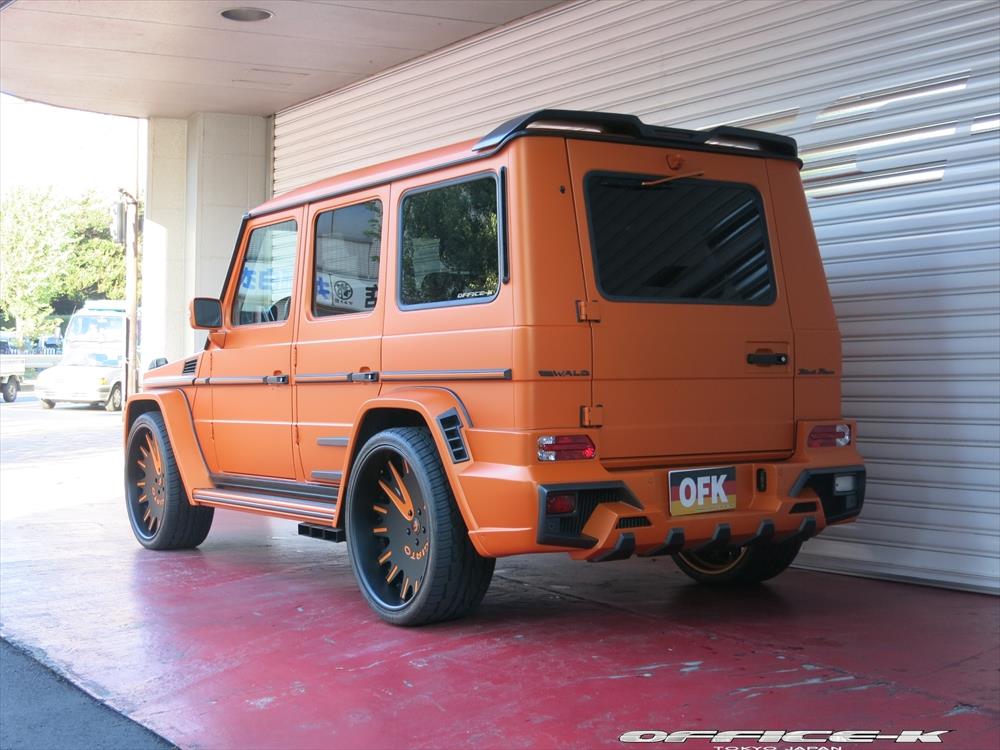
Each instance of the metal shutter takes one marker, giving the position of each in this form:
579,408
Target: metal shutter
897,110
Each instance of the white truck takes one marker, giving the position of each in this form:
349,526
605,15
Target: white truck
11,375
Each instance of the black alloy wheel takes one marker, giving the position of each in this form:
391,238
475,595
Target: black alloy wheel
407,542
158,508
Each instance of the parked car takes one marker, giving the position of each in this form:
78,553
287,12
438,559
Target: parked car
83,377
579,334
52,344
11,375
92,369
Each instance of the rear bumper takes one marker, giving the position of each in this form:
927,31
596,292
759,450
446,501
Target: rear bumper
625,512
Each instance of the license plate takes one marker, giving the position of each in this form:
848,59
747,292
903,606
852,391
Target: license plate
702,490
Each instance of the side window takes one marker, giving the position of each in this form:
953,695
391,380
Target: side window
345,266
450,250
265,291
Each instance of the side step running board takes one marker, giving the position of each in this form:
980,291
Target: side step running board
275,505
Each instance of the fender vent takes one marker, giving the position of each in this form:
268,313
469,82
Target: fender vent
451,428
190,366
633,522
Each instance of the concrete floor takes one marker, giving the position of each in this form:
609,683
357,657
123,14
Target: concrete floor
260,639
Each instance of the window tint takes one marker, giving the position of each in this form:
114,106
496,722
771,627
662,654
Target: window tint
686,240
345,273
265,291
450,250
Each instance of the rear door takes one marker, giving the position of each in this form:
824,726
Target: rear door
338,351
692,349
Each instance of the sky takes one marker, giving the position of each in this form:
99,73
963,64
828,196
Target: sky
71,151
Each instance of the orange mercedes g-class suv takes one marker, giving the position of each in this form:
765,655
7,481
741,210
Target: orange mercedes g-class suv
580,334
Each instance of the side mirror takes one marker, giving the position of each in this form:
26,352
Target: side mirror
158,362
205,314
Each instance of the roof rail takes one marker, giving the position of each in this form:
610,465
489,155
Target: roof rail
724,137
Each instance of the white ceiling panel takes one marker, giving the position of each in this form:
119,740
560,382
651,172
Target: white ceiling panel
171,58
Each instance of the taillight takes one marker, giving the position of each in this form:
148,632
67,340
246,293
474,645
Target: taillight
565,448
829,436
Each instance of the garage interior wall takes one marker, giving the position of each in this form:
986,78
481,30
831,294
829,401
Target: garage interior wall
895,106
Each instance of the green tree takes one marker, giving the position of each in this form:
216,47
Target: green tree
95,263
33,256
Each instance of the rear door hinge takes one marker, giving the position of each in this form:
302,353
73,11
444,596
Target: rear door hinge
588,310
592,416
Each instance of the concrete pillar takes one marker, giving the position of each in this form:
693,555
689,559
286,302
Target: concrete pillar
203,174
163,243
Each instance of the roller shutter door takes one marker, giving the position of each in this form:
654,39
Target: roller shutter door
896,107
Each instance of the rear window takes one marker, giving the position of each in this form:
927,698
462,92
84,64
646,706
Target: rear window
686,240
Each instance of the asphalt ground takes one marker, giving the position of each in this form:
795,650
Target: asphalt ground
39,710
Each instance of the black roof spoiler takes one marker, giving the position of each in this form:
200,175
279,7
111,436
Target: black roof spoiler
630,126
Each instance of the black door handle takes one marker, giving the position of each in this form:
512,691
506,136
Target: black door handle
770,358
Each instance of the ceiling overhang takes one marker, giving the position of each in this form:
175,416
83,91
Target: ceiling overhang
178,57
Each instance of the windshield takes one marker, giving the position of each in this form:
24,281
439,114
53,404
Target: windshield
79,358
96,327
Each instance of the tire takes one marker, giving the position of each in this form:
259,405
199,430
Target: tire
46,404
416,567
158,509
114,402
10,389
741,566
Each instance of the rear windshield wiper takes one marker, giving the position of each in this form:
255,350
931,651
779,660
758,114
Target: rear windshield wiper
669,178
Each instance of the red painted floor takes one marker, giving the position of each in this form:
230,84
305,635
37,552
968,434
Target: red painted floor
261,640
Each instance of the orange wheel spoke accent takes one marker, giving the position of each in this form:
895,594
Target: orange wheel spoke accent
380,509
154,452
406,587
393,572
401,503
407,500
380,530
416,586
385,556
147,485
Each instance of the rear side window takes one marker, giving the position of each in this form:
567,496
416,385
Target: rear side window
265,291
686,240
345,273
450,250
